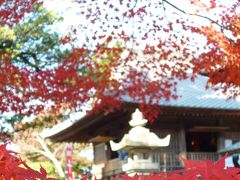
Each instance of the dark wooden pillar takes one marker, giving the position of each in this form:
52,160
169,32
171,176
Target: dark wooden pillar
182,141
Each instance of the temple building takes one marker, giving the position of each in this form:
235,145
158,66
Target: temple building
201,122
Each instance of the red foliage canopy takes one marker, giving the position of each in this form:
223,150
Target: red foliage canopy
12,167
135,49
12,11
193,170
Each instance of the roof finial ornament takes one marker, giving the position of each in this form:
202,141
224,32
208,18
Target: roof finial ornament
137,119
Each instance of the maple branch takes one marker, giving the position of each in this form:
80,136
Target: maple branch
50,155
136,1
164,11
31,148
43,144
62,156
57,149
133,22
23,56
191,14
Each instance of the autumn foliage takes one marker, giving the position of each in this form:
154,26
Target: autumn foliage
202,170
13,167
13,11
128,49
135,49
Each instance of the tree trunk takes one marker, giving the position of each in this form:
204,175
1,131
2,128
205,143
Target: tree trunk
51,156
56,163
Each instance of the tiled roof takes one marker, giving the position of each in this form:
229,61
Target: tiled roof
195,95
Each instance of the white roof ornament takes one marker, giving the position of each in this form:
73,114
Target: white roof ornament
139,136
137,119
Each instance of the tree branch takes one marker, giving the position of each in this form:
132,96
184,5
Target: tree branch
135,4
43,144
24,57
50,156
30,148
57,149
191,14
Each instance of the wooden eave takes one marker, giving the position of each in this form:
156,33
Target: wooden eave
115,124
84,129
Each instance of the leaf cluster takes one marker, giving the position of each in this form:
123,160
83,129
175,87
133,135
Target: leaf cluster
193,170
13,167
